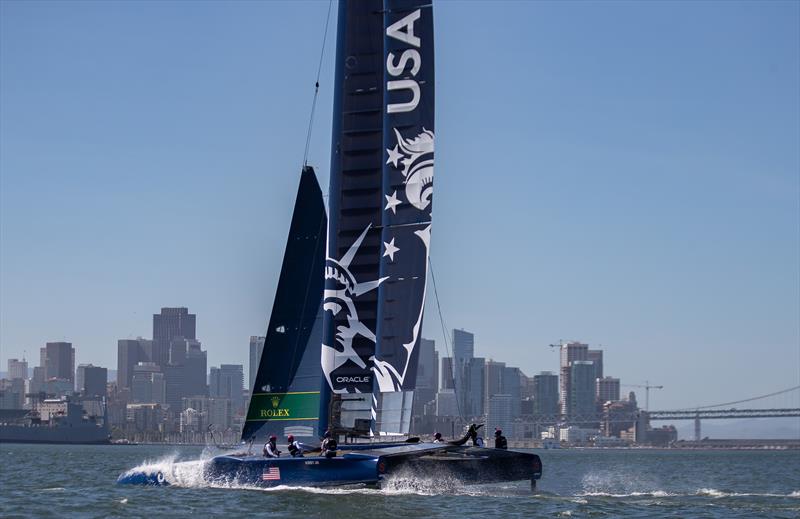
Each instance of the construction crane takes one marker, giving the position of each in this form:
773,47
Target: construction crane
647,387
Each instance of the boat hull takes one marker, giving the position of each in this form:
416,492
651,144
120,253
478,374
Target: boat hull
466,465
367,467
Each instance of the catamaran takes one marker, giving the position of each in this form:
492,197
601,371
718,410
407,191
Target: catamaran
343,337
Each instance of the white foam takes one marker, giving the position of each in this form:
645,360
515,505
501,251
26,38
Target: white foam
653,493
178,473
711,492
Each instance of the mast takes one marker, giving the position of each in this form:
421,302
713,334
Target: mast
379,206
352,268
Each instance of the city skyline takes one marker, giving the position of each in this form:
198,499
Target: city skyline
640,199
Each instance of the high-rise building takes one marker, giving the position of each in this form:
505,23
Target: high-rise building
227,381
256,349
607,389
427,376
474,388
58,360
463,352
169,324
189,378
596,356
494,379
582,388
148,384
545,394
17,369
499,414
446,404
220,413
196,369
570,352
463,345
448,378
91,381
512,382
131,352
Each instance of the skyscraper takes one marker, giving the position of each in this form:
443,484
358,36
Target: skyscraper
189,378
227,381
463,345
512,381
499,415
130,352
545,393
607,389
463,352
494,379
582,388
447,373
596,356
148,384
17,369
58,361
256,349
570,352
169,324
91,380
474,388
427,375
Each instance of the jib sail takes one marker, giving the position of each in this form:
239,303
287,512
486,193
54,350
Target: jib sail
286,393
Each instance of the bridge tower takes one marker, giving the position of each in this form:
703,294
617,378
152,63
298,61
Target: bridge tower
697,427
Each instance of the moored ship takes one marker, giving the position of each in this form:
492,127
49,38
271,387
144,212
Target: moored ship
53,421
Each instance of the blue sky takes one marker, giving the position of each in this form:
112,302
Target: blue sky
624,174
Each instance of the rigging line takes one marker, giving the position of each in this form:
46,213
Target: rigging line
316,84
746,399
446,344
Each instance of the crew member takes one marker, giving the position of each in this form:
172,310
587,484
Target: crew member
478,442
295,449
437,438
500,441
271,448
329,445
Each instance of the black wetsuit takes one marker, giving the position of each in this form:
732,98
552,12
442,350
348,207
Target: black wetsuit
329,447
295,450
500,442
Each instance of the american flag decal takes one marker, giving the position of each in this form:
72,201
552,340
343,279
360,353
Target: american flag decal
271,474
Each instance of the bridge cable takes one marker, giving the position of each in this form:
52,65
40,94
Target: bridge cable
316,85
746,400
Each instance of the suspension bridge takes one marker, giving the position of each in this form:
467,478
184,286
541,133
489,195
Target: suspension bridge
640,418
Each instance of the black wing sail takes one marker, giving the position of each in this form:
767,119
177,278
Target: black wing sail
355,206
286,394
408,146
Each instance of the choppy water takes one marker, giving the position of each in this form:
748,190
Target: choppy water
57,481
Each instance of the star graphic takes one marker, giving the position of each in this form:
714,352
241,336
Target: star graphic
390,249
394,156
392,202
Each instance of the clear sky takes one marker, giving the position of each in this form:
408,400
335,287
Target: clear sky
624,174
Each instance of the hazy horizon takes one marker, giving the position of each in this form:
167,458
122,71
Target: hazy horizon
621,174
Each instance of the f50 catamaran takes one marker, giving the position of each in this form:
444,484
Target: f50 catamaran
342,344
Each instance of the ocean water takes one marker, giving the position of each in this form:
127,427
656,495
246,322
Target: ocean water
79,481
